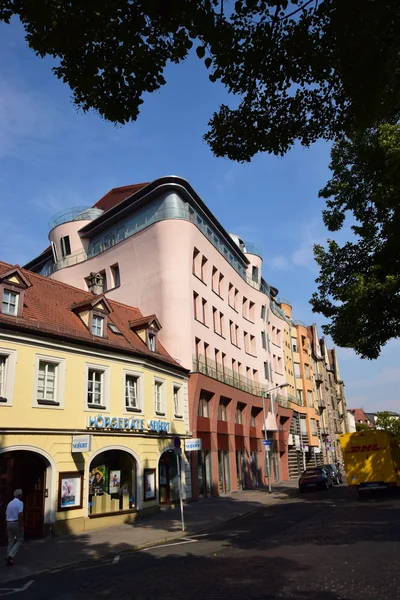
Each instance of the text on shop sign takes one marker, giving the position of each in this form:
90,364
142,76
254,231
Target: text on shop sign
127,424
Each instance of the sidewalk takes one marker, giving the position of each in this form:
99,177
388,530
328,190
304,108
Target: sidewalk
38,556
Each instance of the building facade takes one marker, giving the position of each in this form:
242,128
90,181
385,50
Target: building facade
90,404
159,247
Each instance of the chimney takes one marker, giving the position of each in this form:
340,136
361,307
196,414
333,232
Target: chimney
95,283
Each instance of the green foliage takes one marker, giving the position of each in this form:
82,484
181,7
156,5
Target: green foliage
386,421
359,282
301,69
362,427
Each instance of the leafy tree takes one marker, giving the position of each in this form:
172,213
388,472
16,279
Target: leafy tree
389,423
359,282
362,427
300,69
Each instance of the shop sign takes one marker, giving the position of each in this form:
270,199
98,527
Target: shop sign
127,424
81,443
193,445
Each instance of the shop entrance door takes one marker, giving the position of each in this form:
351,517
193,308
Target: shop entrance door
6,492
224,472
204,472
163,483
27,471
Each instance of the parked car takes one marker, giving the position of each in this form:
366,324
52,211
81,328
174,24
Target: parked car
315,477
335,473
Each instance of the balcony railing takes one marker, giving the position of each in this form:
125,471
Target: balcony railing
299,323
217,371
76,213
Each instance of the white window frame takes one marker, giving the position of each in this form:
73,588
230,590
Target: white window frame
16,294
101,319
9,375
140,391
59,383
152,340
105,405
163,411
178,414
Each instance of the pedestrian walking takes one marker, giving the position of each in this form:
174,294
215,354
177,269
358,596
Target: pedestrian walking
15,526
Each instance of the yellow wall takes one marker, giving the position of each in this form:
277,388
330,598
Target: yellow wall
74,414
30,422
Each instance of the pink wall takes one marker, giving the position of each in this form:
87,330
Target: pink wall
156,276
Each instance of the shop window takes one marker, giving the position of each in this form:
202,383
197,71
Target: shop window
133,392
7,371
97,387
204,404
97,325
177,393
65,246
159,397
9,305
224,472
239,413
115,275
112,483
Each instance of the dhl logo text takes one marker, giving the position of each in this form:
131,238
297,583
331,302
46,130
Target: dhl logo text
365,448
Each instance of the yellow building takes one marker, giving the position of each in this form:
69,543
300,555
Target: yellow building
90,405
304,440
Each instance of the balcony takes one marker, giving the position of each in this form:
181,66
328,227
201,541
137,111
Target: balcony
318,376
216,371
76,213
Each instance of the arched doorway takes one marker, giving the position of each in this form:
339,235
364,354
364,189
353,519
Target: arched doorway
26,470
168,480
112,483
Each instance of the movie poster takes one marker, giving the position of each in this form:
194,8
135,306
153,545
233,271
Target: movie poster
115,482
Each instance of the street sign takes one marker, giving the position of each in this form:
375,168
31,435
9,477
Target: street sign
193,445
81,443
267,442
178,451
267,448
177,442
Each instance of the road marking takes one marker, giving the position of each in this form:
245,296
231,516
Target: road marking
115,559
181,543
8,591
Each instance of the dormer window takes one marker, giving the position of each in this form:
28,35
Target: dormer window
151,341
147,329
97,325
13,284
94,313
9,305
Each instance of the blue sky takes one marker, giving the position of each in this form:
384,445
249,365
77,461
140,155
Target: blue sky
52,157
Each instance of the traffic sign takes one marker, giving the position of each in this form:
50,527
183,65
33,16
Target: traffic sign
267,442
267,448
177,442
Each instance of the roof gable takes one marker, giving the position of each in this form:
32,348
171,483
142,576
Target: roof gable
15,277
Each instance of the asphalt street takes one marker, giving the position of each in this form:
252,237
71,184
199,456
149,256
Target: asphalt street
323,545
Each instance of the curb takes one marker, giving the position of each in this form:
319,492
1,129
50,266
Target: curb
145,546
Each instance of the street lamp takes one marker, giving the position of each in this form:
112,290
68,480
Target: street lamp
278,387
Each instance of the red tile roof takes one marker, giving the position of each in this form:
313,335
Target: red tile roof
360,416
47,310
117,195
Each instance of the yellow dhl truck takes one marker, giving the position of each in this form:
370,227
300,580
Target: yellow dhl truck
372,460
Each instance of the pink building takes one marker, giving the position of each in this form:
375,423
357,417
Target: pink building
157,246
